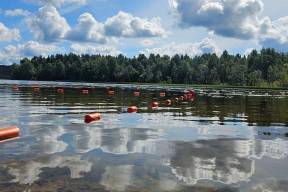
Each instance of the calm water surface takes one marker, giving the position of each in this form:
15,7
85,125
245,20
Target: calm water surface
217,142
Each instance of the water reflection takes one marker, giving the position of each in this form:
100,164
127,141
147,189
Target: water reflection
213,160
117,177
222,141
27,172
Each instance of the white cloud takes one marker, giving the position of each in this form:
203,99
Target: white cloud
212,6
233,18
13,54
125,25
274,34
191,49
17,12
147,42
48,25
248,51
87,30
88,49
9,34
57,3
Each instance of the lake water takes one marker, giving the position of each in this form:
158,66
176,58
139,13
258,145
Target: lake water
234,140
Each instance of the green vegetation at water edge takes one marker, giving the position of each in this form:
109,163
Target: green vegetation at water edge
265,69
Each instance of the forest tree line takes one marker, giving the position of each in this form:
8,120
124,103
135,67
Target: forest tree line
264,68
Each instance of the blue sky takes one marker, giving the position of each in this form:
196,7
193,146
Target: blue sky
193,27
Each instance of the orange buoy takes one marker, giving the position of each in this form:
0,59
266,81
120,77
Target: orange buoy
77,86
9,132
111,92
48,85
175,99
168,102
181,97
185,96
123,88
132,109
85,91
92,117
107,88
137,88
60,90
168,90
162,94
15,88
92,87
136,93
36,89
154,104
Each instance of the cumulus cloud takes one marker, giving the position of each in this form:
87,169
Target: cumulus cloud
17,12
191,49
274,34
12,54
57,3
9,34
47,25
88,49
125,25
87,30
233,18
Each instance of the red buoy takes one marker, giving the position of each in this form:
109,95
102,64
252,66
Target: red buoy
185,96
181,97
168,102
15,88
192,92
92,87
85,91
175,99
136,93
168,90
132,109
60,90
123,88
62,86
9,132
154,104
77,86
93,116
48,85
111,92
107,88
36,89
162,94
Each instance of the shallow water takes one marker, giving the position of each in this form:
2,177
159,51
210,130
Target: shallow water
227,141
